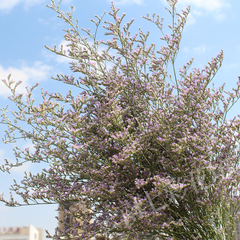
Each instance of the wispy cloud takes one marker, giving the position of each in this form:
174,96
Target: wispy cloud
61,59
213,5
64,43
232,65
26,167
7,5
200,7
198,50
30,3
28,76
190,19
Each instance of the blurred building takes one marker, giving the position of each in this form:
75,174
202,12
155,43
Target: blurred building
68,205
21,233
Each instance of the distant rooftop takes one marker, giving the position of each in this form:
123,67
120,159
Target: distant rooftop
20,233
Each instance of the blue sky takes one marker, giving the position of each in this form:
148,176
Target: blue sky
27,25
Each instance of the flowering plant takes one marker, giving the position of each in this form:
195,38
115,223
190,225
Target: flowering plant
139,151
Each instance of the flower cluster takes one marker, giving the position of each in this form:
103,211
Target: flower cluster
139,152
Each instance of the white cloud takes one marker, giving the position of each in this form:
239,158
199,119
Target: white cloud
190,19
31,147
11,159
18,170
62,59
202,7
7,5
26,167
196,12
29,3
64,44
213,5
51,56
28,76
